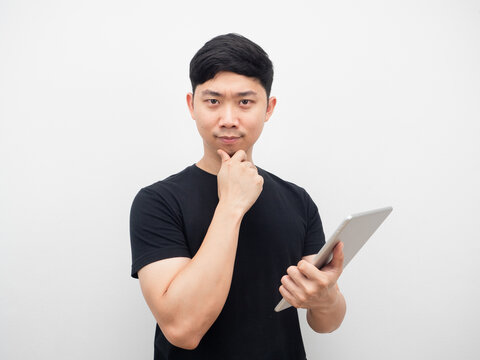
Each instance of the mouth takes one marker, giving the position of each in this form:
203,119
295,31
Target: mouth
229,139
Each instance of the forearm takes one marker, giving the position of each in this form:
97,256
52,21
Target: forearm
328,318
198,293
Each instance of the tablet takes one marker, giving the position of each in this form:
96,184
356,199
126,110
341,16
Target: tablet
354,232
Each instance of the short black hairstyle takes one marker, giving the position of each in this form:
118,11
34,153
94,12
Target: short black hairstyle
231,52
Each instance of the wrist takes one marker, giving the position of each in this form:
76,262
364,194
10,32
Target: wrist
329,303
232,210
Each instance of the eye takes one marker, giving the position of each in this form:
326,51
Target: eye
245,102
213,101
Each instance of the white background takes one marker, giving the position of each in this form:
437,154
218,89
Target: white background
378,104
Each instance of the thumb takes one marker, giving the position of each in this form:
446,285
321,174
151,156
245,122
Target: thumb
223,155
336,264
337,261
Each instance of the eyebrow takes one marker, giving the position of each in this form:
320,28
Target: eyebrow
239,94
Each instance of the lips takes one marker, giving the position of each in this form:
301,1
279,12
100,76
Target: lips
229,139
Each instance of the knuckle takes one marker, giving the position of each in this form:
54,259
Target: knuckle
309,291
323,284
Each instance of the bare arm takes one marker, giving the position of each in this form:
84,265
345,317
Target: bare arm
328,318
187,295
192,301
307,287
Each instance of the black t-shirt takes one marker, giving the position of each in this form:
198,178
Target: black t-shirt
170,218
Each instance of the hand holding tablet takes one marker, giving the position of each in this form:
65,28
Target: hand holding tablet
354,232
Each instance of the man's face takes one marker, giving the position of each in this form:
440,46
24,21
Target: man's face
230,105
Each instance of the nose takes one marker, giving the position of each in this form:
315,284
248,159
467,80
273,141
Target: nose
228,116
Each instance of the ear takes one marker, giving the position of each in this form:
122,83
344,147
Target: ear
190,104
271,105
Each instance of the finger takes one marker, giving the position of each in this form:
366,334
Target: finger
290,285
223,155
336,263
309,270
240,155
248,164
297,277
288,296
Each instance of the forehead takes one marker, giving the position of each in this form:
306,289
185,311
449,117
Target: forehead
230,84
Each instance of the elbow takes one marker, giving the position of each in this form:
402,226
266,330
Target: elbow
324,329
329,330
182,338
319,329
326,324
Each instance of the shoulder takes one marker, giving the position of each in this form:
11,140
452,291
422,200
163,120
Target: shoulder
280,184
166,190
171,182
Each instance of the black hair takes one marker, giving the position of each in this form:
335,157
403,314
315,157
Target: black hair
231,52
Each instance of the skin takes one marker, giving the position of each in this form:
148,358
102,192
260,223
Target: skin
228,114
186,308
235,105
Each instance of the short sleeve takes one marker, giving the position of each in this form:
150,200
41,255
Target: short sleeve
156,230
315,237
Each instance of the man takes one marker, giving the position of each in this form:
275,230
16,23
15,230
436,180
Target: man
217,245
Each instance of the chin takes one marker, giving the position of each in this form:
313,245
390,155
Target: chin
230,152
